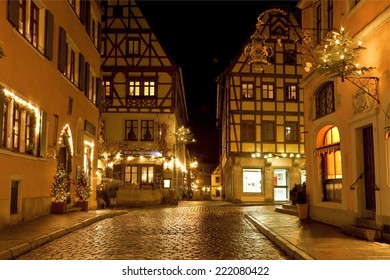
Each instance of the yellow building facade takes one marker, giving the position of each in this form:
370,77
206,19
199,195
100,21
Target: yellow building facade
260,115
49,82
347,117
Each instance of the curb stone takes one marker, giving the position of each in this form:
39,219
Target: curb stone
284,244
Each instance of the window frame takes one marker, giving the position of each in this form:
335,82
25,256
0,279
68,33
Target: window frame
325,100
268,131
16,127
247,90
147,125
267,91
290,94
248,131
133,47
245,187
131,125
294,132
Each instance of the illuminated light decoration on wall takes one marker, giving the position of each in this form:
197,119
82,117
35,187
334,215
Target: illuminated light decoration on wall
26,105
277,155
258,51
88,155
66,136
335,56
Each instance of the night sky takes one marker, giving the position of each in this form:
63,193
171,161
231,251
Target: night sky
203,37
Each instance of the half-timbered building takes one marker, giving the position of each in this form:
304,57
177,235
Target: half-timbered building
260,115
144,107
49,79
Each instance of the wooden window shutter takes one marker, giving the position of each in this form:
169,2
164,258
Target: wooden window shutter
88,17
13,12
82,11
81,72
62,51
49,28
99,91
43,135
99,37
2,102
86,86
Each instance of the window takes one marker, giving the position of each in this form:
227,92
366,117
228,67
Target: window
252,180
144,88
4,131
34,23
29,133
107,92
131,130
325,100
291,93
268,91
147,174
291,132
268,131
330,15
318,24
133,47
330,154
148,88
290,57
14,197
131,174
134,88
248,131
247,91
70,62
147,130
16,127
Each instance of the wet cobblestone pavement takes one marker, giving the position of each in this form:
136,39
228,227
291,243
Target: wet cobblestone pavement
186,232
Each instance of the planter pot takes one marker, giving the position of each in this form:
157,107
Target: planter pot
303,210
58,207
82,204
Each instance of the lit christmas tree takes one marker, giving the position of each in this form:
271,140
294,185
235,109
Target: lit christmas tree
61,185
338,57
83,187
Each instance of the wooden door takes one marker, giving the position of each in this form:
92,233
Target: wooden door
369,168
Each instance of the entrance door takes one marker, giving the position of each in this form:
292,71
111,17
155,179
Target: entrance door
369,168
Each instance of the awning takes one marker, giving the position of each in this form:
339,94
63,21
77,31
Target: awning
328,149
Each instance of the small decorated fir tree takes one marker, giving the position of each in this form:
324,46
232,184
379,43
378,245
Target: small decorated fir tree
83,187
61,185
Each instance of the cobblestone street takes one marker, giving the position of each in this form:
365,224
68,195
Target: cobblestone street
190,231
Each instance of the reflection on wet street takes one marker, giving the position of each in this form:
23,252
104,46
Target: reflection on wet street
188,232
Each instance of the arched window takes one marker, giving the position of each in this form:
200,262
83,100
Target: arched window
331,169
325,100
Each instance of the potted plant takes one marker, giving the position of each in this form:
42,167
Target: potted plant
83,191
59,191
302,202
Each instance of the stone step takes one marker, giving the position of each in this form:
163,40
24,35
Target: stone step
366,222
359,232
71,208
287,209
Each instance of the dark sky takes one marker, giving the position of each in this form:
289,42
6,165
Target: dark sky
203,37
